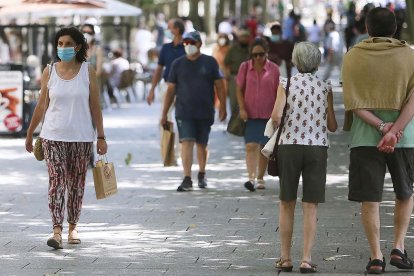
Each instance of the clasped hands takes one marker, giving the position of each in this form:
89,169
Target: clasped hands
389,139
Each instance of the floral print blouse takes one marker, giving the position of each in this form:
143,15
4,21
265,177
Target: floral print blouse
306,114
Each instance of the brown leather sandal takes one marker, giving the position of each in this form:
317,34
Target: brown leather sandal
311,269
55,241
73,237
280,265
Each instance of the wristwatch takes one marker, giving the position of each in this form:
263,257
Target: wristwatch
381,126
102,137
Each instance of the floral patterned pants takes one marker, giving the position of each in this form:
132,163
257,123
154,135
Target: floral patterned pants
67,163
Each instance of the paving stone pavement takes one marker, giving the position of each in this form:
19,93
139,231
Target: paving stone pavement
150,229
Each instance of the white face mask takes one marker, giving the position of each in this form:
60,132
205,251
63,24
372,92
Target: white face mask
88,37
222,41
168,34
191,50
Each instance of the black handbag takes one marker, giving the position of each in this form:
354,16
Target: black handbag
272,167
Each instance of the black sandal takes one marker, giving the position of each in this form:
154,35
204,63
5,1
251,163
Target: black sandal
279,265
372,266
306,270
401,260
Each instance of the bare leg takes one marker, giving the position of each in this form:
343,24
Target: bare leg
286,219
402,215
310,211
187,156
371,222
202,156
252,159
262,165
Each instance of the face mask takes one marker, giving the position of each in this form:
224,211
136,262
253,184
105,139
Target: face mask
275,38
88,37
66,54
221,41
191,49
168,34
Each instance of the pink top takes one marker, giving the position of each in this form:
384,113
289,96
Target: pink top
261,88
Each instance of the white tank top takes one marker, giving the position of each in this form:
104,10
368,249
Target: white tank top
68,117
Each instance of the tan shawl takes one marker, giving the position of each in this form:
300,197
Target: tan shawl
378,73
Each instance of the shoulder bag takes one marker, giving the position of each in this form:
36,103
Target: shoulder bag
38,148
272,167
236,125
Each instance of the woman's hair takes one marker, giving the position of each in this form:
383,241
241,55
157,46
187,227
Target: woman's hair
79,39
307,57
90,26
3,37
259,42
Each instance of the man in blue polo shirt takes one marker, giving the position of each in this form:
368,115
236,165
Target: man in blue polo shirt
169,52
191,81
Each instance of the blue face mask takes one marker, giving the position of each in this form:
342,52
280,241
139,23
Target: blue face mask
275,38
66,54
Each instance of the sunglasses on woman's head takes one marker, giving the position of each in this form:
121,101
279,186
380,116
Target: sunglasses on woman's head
255,55
189,41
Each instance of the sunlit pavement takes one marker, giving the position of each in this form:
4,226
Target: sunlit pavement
150,229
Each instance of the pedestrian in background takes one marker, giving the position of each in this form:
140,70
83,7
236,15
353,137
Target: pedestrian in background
192,80
169,52
257,82
117,66
237,53
95,58
335,51
94,53
280,50
315,34
70,101
219,53
302,150
383,108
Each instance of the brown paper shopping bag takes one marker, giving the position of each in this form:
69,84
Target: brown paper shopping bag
168,144
104,179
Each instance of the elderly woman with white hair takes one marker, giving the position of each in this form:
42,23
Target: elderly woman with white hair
302,149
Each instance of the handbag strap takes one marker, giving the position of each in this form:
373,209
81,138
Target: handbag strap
282,121
47,96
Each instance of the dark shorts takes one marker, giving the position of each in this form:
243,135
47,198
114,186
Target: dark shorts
310,161
367,172
254,132
197,130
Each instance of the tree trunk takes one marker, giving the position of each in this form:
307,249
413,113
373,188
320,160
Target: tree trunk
220,12
232,7
409,18
193,16
244,11
209,15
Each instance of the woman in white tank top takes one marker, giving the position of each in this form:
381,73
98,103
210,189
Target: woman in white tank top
69,101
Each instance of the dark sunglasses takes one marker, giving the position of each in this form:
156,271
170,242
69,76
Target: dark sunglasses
189,41
255,55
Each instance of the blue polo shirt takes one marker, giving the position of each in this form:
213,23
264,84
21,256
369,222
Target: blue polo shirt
194,86
169,52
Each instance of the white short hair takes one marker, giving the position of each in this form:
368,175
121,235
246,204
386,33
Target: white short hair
307,57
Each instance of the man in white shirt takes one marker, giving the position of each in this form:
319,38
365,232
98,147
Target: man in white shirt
335,48
118,65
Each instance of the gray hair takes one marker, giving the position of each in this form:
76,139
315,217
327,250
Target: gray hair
307,57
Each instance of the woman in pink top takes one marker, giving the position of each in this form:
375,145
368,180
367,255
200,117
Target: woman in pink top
257,83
